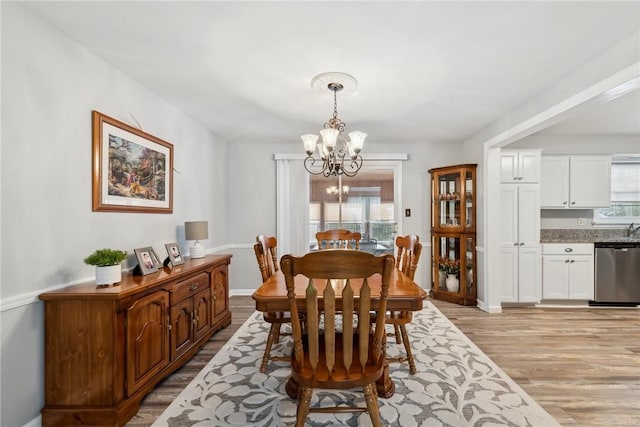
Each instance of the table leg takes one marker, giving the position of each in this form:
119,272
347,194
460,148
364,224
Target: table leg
385,386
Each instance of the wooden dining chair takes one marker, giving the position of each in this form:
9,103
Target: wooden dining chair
338,239
329,358
407,256
265,249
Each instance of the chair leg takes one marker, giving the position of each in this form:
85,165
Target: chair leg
276,336
397,333
275,327
407,347
304,402
371,398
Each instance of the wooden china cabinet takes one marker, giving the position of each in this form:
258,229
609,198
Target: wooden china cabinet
453,233
107,347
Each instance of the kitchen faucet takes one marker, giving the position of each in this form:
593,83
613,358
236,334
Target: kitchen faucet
631,231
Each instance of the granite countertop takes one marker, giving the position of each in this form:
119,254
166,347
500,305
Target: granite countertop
585,236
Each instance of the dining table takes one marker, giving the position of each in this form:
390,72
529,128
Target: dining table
404,295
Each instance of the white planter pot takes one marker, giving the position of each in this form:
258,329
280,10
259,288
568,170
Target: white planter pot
108,275
452,282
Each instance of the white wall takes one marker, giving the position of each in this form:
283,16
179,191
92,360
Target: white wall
49,87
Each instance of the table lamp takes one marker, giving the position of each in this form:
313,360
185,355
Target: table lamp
196,230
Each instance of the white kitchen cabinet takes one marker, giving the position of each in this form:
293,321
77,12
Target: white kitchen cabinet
575,182
567,271
520,166
520,243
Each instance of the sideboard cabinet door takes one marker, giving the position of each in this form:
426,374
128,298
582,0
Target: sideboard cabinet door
147,339
220,286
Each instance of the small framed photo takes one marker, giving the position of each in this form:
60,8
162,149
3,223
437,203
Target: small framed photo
146,262
175,257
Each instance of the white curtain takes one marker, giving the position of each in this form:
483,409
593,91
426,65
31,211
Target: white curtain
293,207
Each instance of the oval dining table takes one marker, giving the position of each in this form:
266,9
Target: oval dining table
404,295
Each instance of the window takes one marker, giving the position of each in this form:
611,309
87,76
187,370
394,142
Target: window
625,193
364,203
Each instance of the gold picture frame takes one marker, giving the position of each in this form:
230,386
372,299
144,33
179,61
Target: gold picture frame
132,170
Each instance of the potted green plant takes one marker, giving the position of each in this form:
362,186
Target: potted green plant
108,264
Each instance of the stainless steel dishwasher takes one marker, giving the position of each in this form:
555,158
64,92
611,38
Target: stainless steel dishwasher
617,272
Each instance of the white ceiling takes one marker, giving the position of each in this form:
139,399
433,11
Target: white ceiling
427,71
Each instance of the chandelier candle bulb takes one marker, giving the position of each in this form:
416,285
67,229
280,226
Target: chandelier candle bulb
309,141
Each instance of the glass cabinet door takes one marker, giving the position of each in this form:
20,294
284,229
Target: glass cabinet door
449,200
469,265
453,197
469,199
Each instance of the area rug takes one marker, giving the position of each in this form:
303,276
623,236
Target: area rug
456,385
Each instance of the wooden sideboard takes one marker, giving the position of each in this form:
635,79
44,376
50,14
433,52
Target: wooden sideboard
107,347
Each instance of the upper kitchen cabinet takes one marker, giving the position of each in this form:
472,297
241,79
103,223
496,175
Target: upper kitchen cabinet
519,166
578,182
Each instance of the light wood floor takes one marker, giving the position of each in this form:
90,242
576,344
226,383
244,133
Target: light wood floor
580,364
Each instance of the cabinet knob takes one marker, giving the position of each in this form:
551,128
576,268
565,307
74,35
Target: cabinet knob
566,261
568,249
193,287
521,243
564,203
573,203
572,261
515,244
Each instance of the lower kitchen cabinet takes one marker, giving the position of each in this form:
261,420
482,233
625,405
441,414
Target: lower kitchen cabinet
567,271
107,347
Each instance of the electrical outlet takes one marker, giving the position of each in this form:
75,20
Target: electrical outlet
582,221
407,213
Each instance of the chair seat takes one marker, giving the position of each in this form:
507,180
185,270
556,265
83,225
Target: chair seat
340,378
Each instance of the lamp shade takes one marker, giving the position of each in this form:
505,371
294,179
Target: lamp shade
196,230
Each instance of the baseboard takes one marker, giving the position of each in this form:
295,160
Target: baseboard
36,422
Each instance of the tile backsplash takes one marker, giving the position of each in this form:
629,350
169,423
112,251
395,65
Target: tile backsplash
569,235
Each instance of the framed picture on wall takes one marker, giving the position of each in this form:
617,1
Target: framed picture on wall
175,257
146,263
132,170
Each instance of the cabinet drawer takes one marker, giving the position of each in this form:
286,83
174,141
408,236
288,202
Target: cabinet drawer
567,249
187,288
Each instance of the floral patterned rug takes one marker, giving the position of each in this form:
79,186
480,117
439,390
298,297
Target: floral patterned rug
456,385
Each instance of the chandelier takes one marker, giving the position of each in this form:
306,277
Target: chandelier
334,190
339,156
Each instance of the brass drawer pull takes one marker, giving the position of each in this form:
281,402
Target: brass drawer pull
193,287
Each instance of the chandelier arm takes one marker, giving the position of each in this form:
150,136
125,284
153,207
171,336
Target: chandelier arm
353,166
308,164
